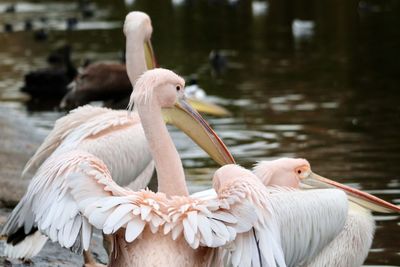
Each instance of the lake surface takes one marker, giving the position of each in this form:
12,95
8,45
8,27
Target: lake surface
312,79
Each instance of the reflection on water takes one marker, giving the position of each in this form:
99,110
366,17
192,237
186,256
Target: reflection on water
313,79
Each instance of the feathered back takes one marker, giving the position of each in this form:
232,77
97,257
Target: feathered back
230,174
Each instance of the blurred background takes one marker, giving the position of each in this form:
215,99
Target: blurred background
312,79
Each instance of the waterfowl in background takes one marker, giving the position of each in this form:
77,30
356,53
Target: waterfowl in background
41,35
10,8
193,90
218,62
51,82
28,25
8,27
99,82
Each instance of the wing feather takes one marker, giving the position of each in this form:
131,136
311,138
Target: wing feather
308,221
116,216
134,228
51,202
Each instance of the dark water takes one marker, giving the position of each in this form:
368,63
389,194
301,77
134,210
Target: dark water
328,91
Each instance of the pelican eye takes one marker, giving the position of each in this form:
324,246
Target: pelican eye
178,88
302,172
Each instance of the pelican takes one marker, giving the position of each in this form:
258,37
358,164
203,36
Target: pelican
243,222
95,130
351,244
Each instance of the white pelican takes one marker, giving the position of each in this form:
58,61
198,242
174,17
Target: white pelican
351,244
95,130
245,222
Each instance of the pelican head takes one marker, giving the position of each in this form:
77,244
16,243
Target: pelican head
297,173
138,26
161,88
282,171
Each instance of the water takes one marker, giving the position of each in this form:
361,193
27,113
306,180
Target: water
302,78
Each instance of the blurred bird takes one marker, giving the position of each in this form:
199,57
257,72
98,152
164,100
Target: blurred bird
10,8
51,82
193,90
218,62
86,8
41,35
28,25
303,29
259,8
8,27
71,23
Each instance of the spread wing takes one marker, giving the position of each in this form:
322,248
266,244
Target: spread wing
49,205
237,222
212,222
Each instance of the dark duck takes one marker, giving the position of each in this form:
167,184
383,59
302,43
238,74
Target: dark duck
52,82
101,81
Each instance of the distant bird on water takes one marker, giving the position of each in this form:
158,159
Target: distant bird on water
41,35
51,82
8,27
10,9
218,62
101,81
28,25
71,23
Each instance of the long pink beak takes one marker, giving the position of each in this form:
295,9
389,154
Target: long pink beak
361,198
